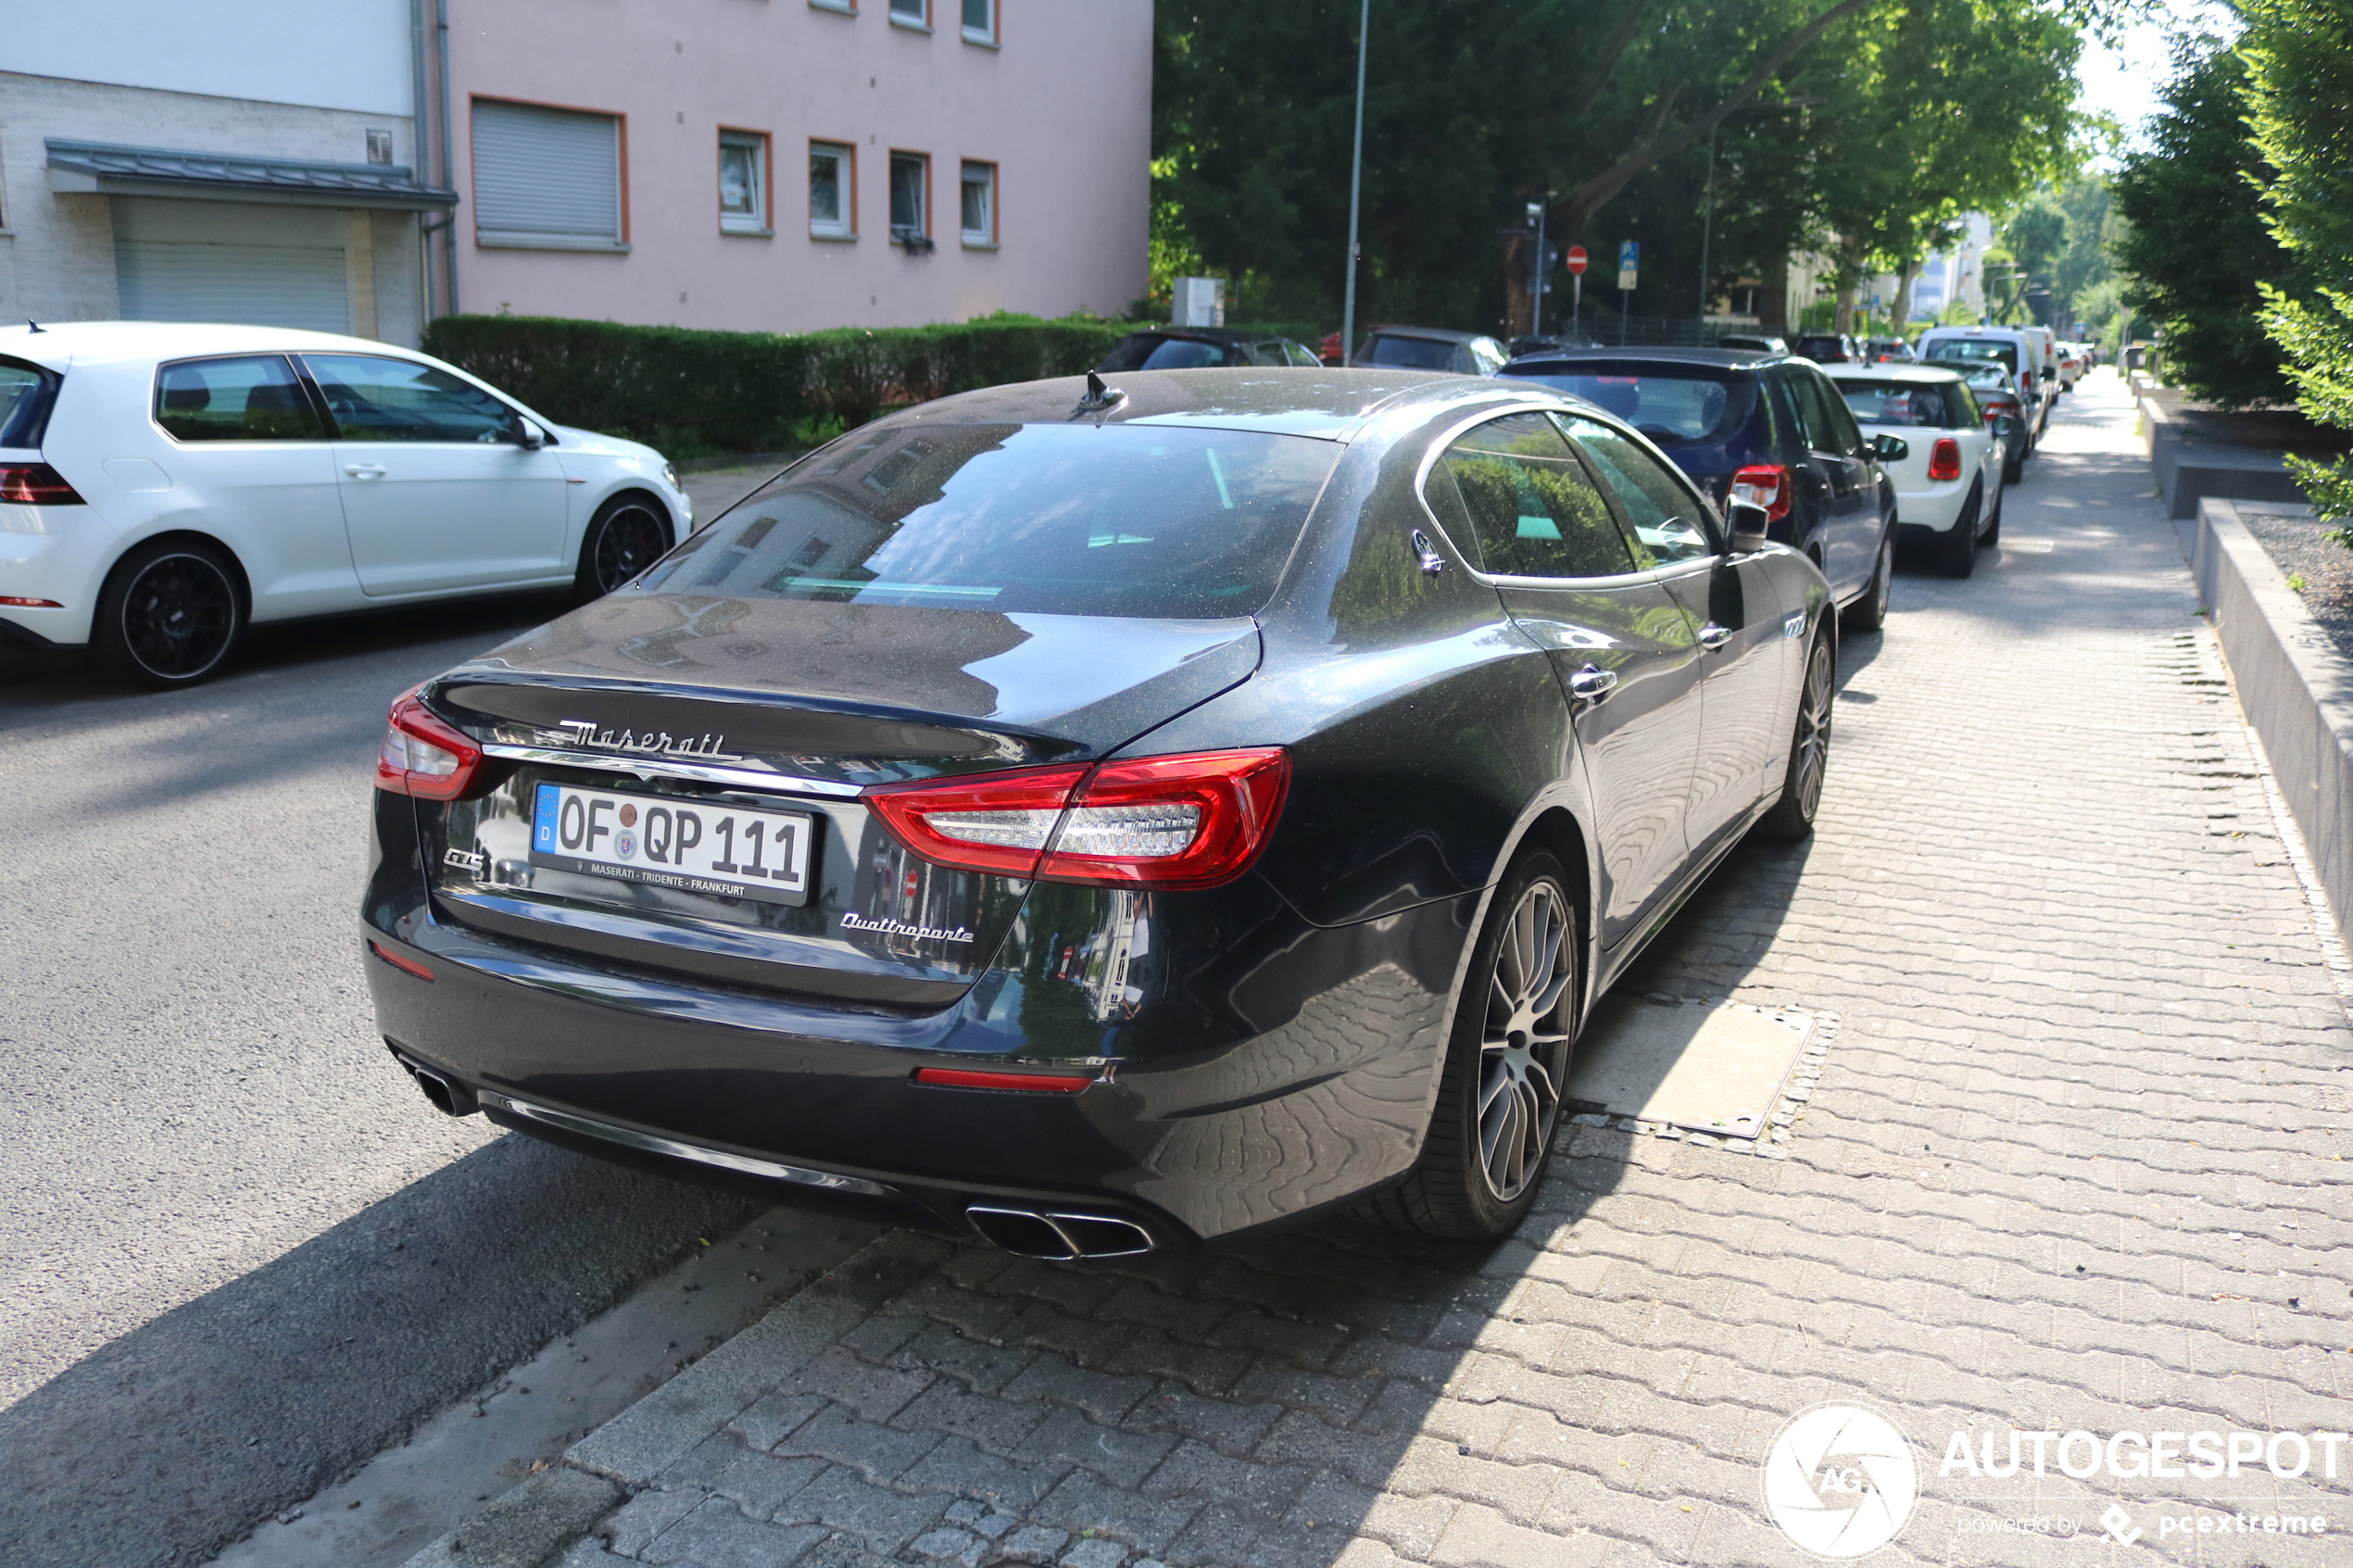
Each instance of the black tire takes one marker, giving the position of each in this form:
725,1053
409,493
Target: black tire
2013,468
1870,612
171,613
1490,1138
628,533
1792,817
1992,534
1957,556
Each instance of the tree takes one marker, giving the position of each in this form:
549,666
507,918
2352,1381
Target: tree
2299,94
2197,255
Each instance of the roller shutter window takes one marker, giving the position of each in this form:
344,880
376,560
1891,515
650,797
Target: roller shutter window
299,286
545,179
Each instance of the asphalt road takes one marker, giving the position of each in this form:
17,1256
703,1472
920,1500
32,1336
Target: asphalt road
238,1252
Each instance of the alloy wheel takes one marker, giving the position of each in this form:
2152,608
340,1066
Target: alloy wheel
1813,739
632,536
1524,1048
179,617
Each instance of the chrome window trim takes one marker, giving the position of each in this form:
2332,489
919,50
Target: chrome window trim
652,768
631,1138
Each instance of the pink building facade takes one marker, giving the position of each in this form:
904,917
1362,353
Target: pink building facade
789,165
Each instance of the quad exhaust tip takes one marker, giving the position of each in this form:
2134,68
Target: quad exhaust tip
1061,1238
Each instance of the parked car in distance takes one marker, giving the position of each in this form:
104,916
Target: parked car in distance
1522,345
2071,364
1948,482
1192,348
1827,348
1105,827
1761,343
1769,429
1432,348
1887,351
1995,393
164,486
2033,377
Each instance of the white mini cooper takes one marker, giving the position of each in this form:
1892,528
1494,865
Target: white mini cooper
1948,483
163,487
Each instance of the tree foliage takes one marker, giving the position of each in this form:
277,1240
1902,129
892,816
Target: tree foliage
2197,255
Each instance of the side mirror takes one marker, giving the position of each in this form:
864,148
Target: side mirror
1749,523
528,435
1890,448
2049,374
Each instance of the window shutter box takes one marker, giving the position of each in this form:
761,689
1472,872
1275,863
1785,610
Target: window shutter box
547,179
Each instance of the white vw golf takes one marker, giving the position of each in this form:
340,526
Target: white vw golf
163,487
1949,486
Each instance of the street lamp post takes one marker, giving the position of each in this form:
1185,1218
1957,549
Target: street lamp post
1355,191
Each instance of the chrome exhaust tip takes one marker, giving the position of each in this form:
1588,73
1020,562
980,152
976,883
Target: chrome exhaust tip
448,1096
1061,1238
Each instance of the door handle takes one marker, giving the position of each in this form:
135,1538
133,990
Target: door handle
1592,683
1713,637
363,470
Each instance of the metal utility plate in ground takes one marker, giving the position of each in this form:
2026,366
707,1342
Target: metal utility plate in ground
1710,1068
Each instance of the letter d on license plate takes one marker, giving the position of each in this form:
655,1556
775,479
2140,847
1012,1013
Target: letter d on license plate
666,841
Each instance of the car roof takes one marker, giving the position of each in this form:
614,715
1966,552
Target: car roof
1327,403
1733,358
1904,372
89,343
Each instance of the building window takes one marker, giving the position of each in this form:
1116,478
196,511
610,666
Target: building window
833,190
380,146
981,21
910,13
547,179
980,204
846,8
911,200
743,182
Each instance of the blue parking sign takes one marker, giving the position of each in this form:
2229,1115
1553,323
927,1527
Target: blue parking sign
1630,257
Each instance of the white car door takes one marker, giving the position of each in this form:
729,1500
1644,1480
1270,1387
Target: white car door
438,491
250,463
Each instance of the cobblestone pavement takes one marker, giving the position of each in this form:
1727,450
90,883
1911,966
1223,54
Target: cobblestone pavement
2072,1164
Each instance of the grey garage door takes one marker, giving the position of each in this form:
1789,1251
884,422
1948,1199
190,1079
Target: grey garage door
256,285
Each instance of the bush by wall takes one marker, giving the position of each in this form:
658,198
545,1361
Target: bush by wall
690,391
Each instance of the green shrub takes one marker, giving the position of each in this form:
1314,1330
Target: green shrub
690,391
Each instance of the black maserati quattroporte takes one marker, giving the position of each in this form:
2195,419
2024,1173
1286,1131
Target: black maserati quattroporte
1104,819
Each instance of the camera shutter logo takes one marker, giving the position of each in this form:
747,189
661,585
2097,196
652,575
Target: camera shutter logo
1839,1480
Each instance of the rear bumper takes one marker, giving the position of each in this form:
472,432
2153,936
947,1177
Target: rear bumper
64,563
1285,1079
1935,508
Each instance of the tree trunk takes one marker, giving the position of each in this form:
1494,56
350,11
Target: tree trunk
1843,319
1772,300
1903,282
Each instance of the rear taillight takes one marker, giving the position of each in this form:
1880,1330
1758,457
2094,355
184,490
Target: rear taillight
1192,821
2000,407
35,484
1766,485
424,757
1944,460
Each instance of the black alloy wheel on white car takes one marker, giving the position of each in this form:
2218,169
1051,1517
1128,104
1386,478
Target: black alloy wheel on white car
170,614
1499,1101
628,533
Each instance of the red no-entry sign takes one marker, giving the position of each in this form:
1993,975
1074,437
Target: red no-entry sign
1575,260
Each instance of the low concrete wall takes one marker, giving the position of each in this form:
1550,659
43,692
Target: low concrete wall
2295,685
2188,470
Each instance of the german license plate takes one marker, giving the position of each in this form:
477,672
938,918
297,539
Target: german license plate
696,846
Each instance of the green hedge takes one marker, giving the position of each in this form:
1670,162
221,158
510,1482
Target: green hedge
690,391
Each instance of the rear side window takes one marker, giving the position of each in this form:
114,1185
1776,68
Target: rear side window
1911,403
1124,519
1533,508
1677,406
25,393
250,397
379,399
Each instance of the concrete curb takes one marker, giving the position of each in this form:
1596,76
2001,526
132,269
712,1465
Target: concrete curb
2296,687
527,1526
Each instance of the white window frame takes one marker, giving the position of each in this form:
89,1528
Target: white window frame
987,35
921,239
756,221
845,156
984,237
918,20
839,7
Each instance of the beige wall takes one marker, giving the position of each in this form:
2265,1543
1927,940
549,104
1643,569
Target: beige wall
1064,108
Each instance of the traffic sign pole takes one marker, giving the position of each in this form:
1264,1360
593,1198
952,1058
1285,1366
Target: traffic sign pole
1575,260
1630,257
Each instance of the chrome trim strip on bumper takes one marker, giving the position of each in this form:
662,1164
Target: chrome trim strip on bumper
648,768
649,1143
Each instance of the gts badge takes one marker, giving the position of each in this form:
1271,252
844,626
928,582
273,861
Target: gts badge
464,860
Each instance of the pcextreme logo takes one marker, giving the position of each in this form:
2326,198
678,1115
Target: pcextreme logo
1839,1480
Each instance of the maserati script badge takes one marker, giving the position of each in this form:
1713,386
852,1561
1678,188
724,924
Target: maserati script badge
584,735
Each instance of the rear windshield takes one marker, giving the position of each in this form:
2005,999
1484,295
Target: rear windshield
1149,351
1977,348
1674,405
1408,352
26,392
1055,520
1929,407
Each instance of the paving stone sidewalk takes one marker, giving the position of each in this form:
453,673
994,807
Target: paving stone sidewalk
2073,1161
